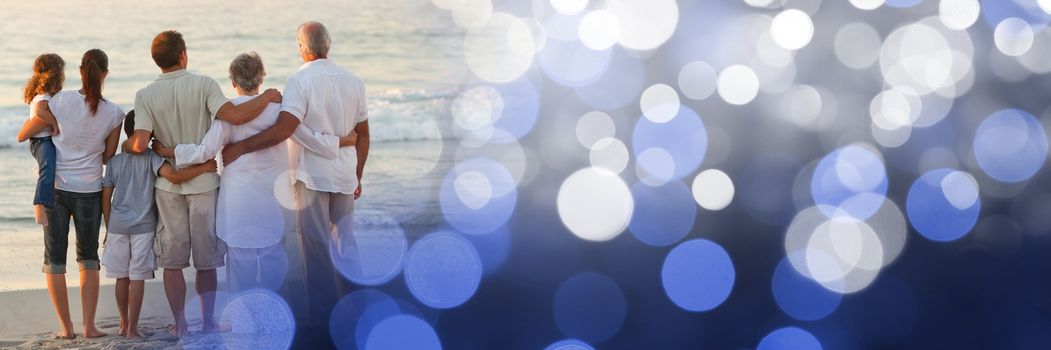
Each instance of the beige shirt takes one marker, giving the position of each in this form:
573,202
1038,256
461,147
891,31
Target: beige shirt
330,100
178,108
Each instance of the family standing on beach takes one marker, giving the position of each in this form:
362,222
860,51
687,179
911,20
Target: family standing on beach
165,203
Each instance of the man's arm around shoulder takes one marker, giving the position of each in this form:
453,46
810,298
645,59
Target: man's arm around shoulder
279,132
245,112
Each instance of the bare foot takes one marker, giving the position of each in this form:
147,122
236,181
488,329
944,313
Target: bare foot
66,334
91,332
134,335
123,330
214,328
39,214
178,331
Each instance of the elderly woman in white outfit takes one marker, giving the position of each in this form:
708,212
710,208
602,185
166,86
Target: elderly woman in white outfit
255,210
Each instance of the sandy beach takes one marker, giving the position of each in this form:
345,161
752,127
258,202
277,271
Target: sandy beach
29,321
31,324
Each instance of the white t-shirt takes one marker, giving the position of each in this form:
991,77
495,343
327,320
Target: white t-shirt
33,107
330,100
82,140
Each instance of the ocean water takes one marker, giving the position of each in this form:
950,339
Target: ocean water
412,70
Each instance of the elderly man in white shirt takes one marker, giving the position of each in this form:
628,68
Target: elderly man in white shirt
327,99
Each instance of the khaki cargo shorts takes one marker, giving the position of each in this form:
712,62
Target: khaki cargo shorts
185,228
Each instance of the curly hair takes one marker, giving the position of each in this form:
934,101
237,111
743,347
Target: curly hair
47,76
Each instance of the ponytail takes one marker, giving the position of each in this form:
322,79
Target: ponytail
93,65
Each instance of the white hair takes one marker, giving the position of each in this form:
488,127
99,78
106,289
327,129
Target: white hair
247,71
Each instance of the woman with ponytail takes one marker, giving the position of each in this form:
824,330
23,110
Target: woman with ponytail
46,81
90,127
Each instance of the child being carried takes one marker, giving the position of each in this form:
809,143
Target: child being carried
47,79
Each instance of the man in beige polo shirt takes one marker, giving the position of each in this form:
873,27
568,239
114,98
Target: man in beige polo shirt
175,109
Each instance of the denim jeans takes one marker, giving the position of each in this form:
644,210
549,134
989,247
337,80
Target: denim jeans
44,151
85,209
